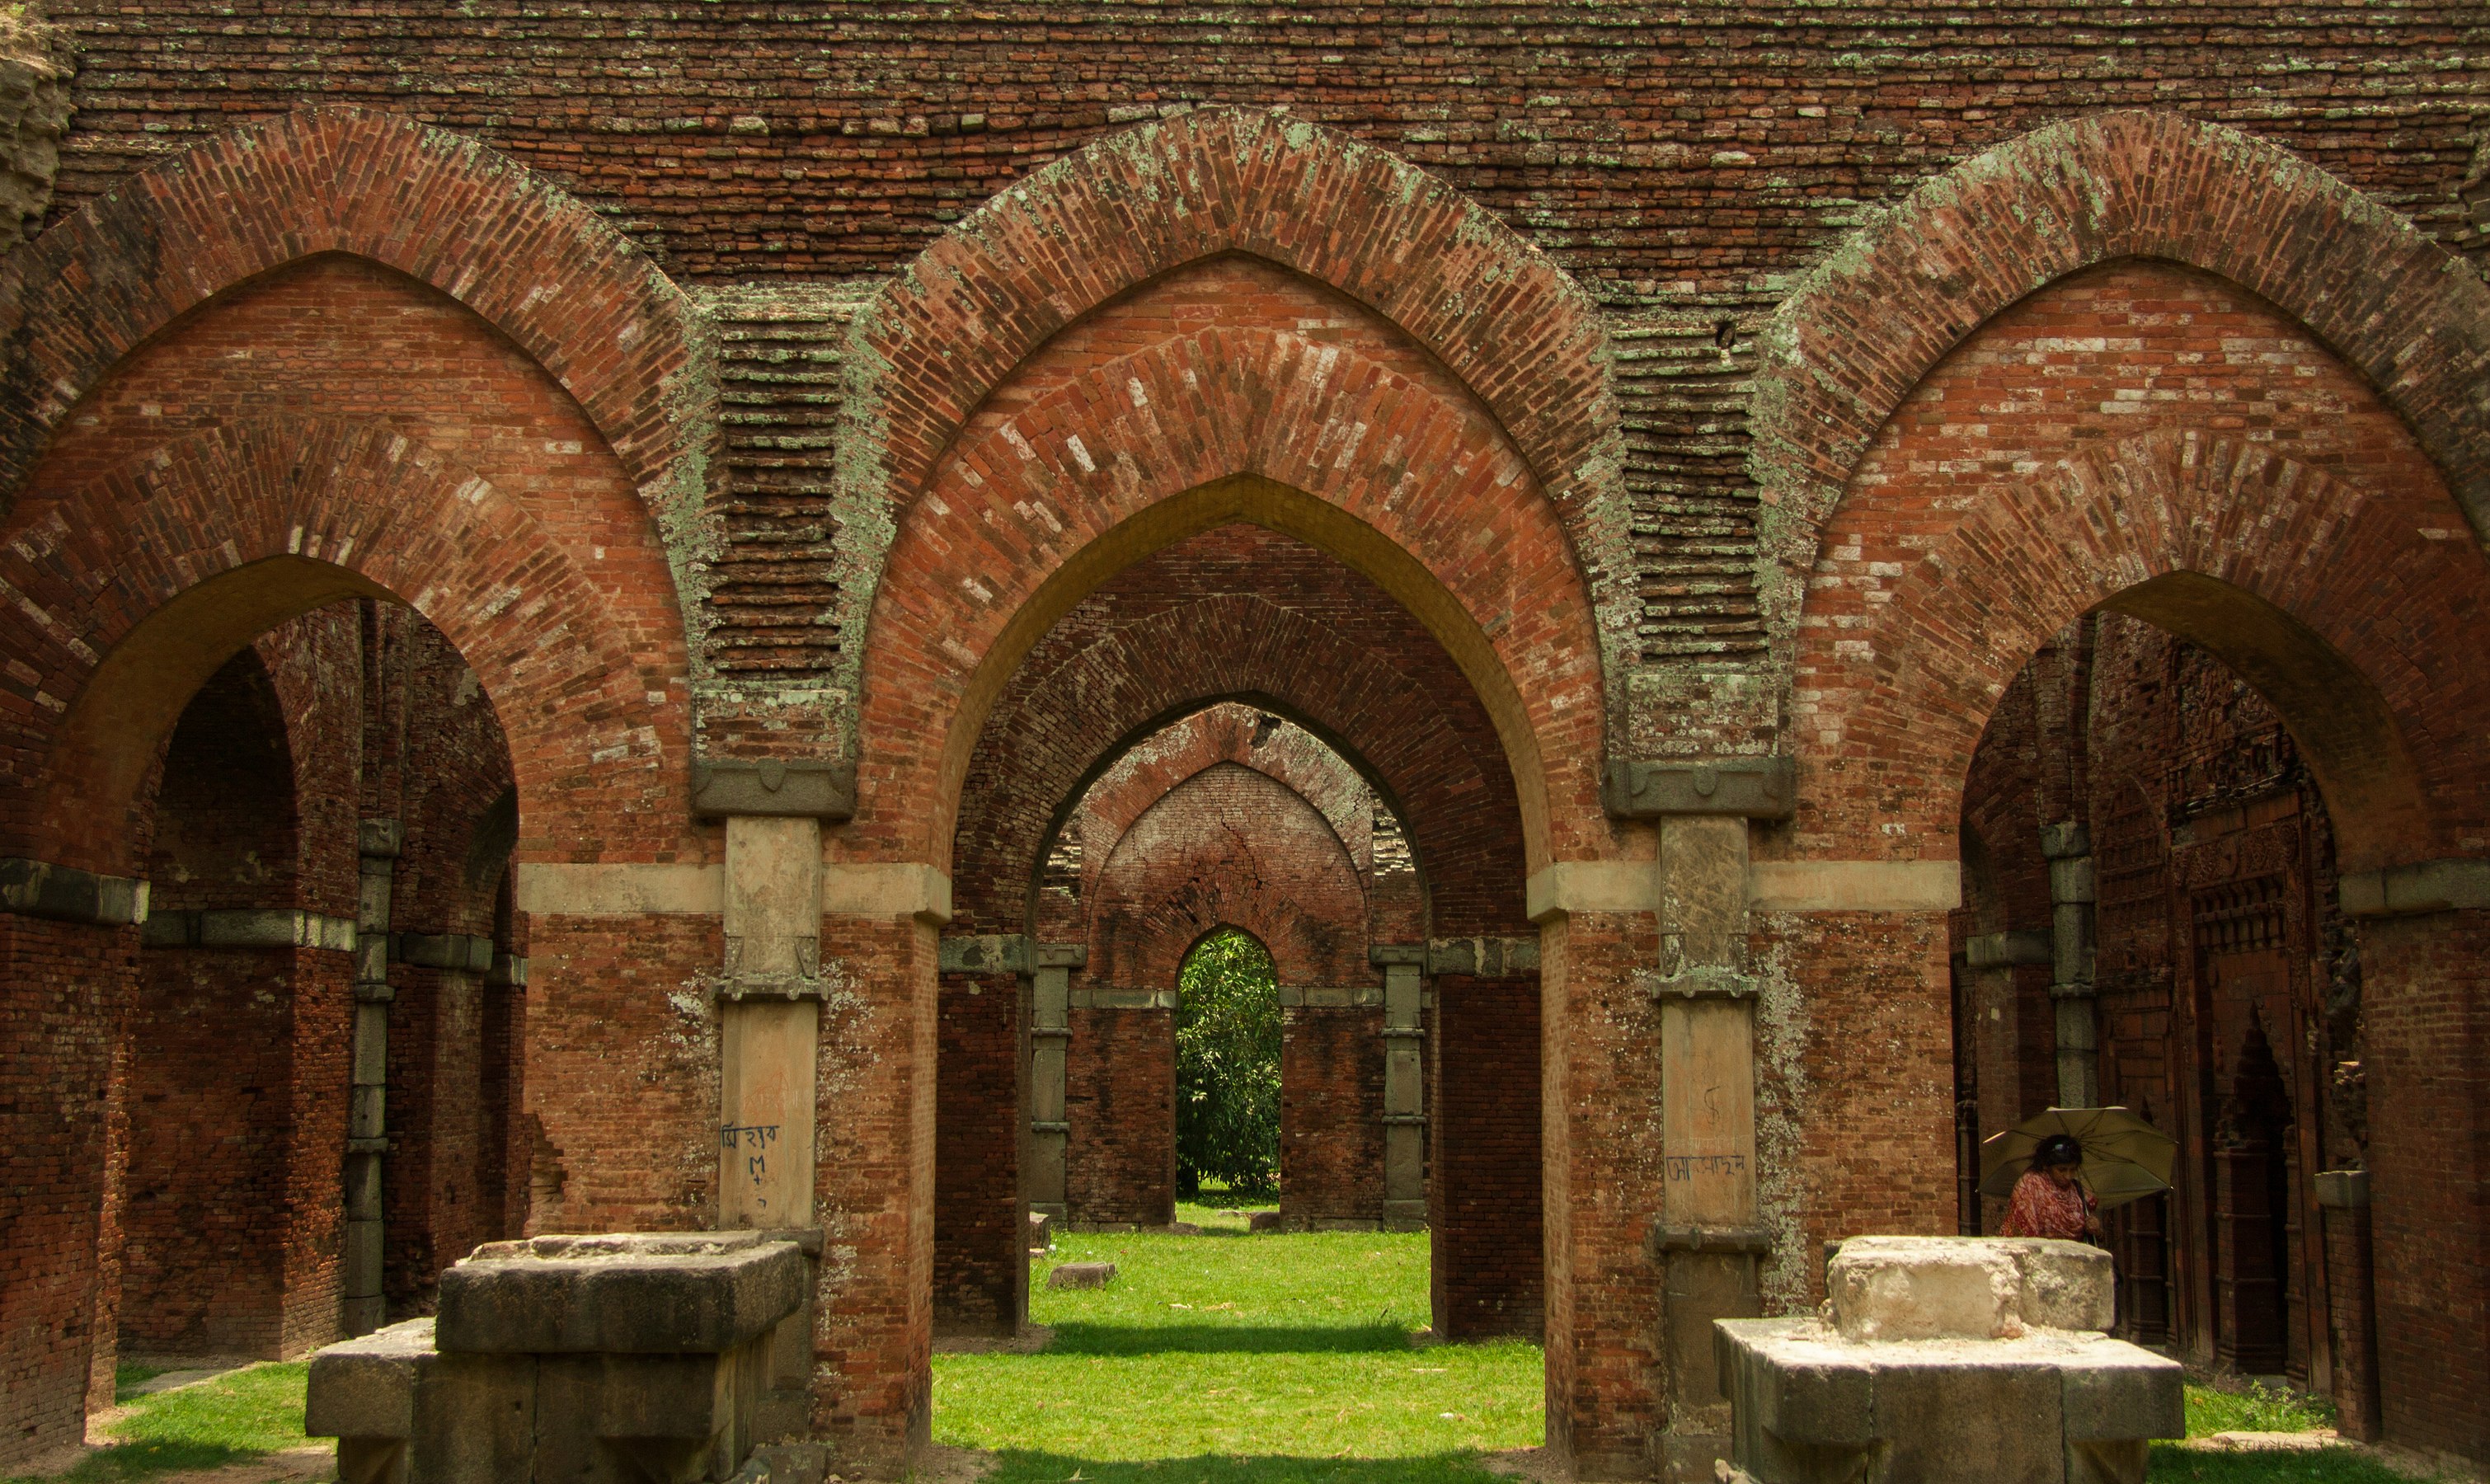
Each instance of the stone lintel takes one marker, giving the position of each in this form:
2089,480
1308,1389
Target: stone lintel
382,838
771,788
1106,998
644,1294
1700,981
1384,955
2342,1189
457,952
1487,958
1998,951
1751,787
2460,884
985,953
39,888
1736,1240
249,927
1316,996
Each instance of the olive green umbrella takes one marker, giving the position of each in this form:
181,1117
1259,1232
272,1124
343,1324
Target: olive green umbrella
2124,1158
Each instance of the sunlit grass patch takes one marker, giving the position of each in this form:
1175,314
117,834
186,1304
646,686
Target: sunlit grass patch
250,1413
1262,1357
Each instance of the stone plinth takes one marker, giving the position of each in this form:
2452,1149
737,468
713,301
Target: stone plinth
590,1359
1949,1360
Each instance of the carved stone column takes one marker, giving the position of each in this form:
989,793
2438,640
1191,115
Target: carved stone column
769,1021
1404,1112
1706,1239
364,1306
2068,848
1049,1042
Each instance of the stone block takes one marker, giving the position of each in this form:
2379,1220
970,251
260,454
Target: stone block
366,1388
597,1360
1899,1289
1080,1276
1948,1360
631,1295
1041,1232
1927,1288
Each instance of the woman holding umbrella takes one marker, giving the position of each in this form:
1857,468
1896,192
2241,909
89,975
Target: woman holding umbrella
2050,1198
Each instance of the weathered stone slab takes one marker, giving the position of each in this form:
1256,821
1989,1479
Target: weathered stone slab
1949,1360
635,1294
1080,1276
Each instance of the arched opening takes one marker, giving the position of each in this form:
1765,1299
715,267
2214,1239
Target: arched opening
319,1078
1229,1087
1237,802
2153,920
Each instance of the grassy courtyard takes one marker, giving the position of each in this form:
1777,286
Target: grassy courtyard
1222,1358
1227,1356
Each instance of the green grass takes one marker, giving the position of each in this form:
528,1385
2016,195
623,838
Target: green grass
125,1377
2176,1466
248,1414
2260,1408
1222,1359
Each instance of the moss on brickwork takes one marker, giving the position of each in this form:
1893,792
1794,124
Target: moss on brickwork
36,64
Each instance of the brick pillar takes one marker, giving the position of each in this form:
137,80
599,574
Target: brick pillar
1600,1169
2425,985
872,1393
2352,1320
68,954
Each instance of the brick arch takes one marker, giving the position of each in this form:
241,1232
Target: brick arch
1884,307
1446,781
1420,492
1505,320
136,586
2313,590
538,265
1229,847
1222,732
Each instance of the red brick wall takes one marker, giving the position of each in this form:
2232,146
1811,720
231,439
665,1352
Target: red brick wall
1120,1097
1331,1116
2428,1149
1620,130
69,986
980,1215
1483,1180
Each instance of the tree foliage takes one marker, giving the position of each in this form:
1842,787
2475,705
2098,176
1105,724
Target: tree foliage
1227,1066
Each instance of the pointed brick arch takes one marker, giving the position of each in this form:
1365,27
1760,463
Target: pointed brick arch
139,584
1500,319
2281,571
572,292
1878,313
1506,321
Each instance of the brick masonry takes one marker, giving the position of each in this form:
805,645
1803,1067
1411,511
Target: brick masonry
968,401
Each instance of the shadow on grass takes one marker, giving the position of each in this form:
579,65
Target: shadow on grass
146,1460
1075,1338
1022,1466
2182,1465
